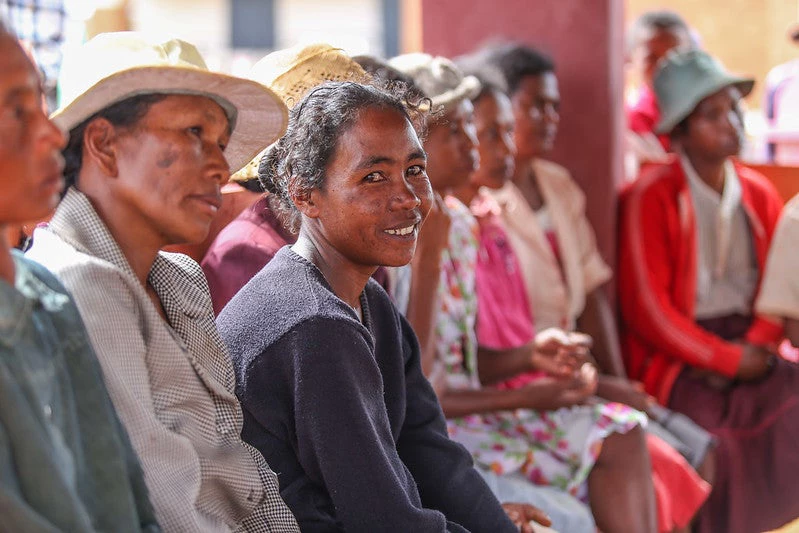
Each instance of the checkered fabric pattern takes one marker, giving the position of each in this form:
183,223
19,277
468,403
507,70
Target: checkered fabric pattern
172,384
41,24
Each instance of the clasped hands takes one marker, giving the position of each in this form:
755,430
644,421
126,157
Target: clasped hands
566,359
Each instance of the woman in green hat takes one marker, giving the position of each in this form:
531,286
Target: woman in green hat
694,236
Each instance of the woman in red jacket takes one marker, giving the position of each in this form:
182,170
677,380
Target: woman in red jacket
694,237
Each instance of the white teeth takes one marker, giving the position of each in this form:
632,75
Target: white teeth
401,231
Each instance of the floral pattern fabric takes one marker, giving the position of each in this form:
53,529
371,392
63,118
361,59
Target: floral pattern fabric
555,448
455,329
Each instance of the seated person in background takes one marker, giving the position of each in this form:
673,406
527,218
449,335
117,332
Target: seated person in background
504,318
245,245
328,370
779,293
649,39
781,109
692,245
511,431
543,212
153,135
65,462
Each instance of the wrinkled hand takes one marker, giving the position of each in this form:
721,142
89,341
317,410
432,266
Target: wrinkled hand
755,363
624,391
550,393
584,384
558,353
522,514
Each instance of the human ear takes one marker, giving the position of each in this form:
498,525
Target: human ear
100,146
306,202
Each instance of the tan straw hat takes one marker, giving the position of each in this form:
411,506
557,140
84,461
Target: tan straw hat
114,66
438,77
292,72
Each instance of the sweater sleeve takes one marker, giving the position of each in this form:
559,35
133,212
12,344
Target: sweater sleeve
443,469
343,436
646,271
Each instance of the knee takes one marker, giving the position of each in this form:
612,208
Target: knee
628,448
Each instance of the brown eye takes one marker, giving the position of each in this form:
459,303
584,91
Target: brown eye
415,170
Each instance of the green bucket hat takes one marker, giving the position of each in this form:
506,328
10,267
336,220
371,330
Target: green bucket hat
683,79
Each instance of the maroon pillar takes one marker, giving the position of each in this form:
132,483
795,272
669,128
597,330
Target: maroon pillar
585,37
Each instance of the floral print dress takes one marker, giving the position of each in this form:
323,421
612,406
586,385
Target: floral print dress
557,448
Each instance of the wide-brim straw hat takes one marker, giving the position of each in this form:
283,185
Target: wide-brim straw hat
683,79
438,78
292,72
112,67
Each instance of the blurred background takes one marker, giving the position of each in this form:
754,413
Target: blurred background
585,37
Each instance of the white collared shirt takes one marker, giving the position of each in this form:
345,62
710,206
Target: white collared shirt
726,263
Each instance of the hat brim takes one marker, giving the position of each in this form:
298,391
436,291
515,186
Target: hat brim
468,88
669,122
257,115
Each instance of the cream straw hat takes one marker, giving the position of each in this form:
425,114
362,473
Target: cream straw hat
438,78
293,72
114,66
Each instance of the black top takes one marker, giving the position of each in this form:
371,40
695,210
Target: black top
342,411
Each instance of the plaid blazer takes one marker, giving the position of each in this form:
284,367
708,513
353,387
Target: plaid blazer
171,383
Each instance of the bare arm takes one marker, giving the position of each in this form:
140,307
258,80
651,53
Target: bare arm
497,365
544,394
597,320
425,276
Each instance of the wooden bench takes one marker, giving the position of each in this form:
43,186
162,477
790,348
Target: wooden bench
785,179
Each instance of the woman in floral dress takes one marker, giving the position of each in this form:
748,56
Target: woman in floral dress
550,431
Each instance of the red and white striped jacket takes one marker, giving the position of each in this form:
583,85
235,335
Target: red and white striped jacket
657,272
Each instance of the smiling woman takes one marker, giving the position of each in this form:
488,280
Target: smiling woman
328,370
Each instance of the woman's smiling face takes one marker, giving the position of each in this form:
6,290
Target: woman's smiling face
376,193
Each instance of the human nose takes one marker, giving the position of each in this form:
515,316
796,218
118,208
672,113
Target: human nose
551,113
469,135
507,144
217,167
51,134
734,120
405,197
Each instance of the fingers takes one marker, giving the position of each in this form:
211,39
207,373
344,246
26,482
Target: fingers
551,339
581,339
523,515
537,515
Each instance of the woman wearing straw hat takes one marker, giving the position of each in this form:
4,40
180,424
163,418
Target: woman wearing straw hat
153,136
65,462
694,237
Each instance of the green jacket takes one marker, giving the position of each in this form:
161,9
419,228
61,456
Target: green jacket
65,460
